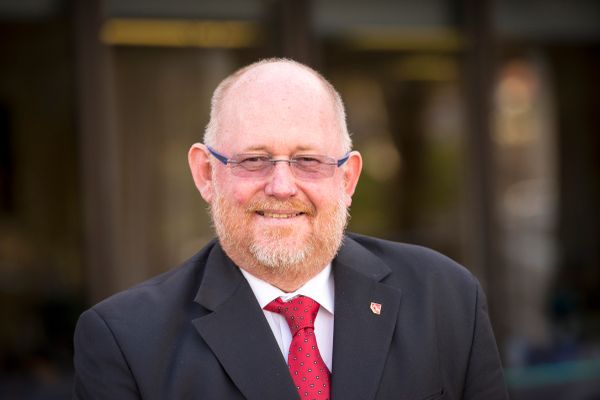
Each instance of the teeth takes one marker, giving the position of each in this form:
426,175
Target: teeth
278,216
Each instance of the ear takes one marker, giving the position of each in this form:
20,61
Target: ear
352,170
198,159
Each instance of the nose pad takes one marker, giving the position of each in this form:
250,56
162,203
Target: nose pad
282,183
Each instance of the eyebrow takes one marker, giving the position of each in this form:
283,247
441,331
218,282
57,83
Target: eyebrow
255,149
262,148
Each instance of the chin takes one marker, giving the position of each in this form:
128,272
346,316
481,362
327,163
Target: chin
296,236
278,255
282,240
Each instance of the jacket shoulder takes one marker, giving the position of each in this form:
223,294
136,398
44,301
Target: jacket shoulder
414,262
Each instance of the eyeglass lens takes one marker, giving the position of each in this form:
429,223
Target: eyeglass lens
313,167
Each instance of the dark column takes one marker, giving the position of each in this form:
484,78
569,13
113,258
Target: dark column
478,75
290,30
576,292
99,163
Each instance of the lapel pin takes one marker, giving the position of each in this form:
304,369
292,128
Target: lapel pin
376,308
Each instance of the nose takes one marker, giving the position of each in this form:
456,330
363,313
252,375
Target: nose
282,183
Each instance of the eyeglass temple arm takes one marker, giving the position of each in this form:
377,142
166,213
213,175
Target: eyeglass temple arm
218,156
342,160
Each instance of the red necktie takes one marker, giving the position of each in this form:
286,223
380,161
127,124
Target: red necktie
308,370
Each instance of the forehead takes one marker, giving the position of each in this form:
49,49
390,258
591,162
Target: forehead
278,110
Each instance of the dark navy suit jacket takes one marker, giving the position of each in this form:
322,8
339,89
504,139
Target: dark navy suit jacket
197,332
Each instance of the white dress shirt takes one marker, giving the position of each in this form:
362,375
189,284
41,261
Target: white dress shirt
321,289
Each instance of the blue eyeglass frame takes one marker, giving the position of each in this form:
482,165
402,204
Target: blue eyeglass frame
226,160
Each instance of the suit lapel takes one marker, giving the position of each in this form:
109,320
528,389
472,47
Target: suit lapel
238,333
361,337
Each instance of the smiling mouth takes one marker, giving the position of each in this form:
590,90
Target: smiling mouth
267,214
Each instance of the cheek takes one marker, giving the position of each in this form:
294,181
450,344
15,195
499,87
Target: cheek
240,198
242,193
324,196
235,191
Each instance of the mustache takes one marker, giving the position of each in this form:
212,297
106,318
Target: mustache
286,205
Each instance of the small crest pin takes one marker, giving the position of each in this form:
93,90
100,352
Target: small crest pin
376,308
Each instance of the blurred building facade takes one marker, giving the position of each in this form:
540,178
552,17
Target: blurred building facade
477,122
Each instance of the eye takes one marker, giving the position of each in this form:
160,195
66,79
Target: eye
253,162
307,161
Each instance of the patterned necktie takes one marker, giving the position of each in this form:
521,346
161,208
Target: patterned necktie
308,370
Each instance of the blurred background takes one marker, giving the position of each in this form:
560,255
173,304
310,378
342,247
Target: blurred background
478,120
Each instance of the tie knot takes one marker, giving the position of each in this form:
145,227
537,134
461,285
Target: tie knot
300,312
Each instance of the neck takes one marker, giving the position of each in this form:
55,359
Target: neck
288,278
285,279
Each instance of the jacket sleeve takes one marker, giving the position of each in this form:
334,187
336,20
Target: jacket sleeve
101,370
484,379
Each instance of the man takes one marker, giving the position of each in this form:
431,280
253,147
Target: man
284,305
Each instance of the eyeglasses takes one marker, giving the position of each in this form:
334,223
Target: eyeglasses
307,167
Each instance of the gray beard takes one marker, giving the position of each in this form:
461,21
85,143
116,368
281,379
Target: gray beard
272,256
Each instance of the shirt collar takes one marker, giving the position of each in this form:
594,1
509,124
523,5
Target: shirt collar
319,288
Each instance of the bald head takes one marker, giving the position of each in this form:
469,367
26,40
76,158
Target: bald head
292,86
